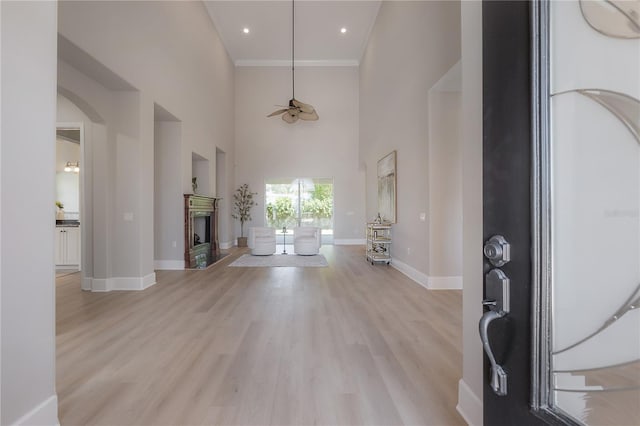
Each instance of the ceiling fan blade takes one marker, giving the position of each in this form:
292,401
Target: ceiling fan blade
303,107
308,116
290,118
278,112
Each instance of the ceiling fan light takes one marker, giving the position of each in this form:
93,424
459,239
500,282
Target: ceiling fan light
290,118
302,106
296,110
313,116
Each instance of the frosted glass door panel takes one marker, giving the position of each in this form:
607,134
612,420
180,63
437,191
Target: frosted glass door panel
595,220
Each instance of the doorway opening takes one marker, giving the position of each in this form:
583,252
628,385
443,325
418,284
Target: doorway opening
69,198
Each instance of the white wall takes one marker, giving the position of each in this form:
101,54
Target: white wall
169,216
470,387
412,45
445,187
27,153
174,59
271,148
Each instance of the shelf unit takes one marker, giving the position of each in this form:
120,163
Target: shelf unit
378,243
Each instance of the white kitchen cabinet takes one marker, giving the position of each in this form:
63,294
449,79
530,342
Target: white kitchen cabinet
68,247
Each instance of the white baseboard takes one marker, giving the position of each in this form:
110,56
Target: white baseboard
469,405
445,283
86,283
123,283
431,283
226,245
168,265
44,414
349,242
411,272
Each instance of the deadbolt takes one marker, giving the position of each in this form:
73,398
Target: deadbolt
497,250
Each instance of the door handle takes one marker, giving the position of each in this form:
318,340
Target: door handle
497,292
498,375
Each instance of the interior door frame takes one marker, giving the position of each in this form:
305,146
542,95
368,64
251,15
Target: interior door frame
84,236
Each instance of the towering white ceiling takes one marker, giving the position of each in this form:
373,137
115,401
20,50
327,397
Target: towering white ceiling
317,25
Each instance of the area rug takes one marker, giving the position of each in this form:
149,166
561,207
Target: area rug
291,260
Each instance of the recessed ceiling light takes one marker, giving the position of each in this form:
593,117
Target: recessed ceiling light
245,30
343,30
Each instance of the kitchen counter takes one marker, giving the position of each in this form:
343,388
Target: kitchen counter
67,222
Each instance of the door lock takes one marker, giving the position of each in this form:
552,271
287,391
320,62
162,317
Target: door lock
497,250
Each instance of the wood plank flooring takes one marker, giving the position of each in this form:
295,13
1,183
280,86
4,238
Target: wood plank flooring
349,344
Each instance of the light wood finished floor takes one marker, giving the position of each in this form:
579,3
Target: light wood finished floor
345,345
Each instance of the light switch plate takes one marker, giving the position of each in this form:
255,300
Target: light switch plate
423,217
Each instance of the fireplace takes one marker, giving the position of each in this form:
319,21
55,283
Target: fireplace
201,247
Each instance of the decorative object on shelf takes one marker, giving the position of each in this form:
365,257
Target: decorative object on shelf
60,212
387,188
378,219
72,166
284,240
242,204
296,109
194,184
378,243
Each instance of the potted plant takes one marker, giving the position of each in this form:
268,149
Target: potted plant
242,203
60,212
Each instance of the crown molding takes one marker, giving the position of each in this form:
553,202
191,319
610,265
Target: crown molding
286,63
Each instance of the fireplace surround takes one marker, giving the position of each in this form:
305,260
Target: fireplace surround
201,247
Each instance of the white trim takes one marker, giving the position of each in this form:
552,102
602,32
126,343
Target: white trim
168,265
87,283
226,245
445,283
99,284
45,413
123,283
148,280
411,272
430,283
286,63
349,242
469,405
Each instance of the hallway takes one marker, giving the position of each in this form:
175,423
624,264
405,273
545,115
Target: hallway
347,344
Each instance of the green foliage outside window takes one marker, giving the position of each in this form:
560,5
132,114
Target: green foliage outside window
281,213
320,205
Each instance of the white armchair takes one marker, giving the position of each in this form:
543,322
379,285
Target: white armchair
262,241
306,240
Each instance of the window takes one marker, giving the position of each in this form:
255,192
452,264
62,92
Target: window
300,202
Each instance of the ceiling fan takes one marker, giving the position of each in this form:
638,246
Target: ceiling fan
296,110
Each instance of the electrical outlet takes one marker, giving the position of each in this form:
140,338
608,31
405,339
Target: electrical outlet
423,217
408,250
